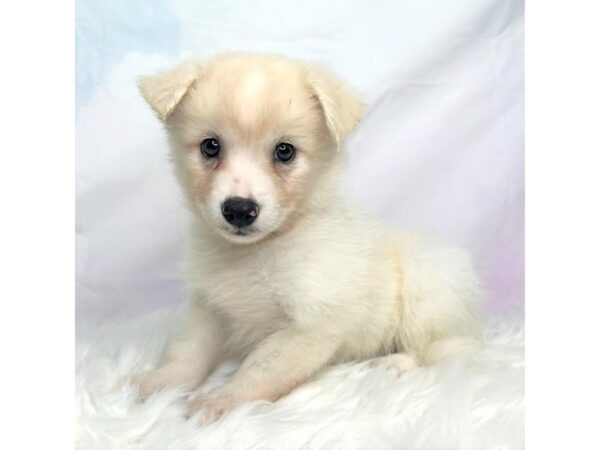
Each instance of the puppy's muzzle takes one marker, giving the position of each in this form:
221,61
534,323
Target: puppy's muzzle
239,212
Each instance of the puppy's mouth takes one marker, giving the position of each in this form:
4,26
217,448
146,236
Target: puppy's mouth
239,232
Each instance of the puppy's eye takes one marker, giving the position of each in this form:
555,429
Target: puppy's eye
210,147
284,152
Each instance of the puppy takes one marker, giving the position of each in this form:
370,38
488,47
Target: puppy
284,274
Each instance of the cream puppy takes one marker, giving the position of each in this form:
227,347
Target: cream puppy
284,274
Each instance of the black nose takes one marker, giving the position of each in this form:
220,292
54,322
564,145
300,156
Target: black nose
239,211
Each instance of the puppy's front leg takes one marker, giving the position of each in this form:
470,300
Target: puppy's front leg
277,365
190,357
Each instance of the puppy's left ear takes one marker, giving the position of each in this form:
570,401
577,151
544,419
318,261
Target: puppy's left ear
342,107
164,91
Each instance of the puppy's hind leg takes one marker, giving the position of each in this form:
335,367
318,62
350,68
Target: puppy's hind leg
450,348
440,301
395,364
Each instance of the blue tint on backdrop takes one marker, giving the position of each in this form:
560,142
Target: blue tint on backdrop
106,30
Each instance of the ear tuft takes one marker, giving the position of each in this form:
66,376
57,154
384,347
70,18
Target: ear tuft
164,91
341,106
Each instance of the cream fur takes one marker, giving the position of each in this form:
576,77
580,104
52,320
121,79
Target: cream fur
316,282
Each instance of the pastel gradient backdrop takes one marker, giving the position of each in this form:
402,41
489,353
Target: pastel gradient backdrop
440,147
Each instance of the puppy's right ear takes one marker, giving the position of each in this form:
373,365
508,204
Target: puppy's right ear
341,106
164,91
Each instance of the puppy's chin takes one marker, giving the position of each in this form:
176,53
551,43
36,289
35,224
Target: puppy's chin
241,237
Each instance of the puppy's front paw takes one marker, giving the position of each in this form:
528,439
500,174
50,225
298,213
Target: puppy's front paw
212,405
148,382
169,375
395,364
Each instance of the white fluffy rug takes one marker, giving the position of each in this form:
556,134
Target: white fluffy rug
476,402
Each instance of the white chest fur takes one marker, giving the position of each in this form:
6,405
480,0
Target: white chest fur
250,288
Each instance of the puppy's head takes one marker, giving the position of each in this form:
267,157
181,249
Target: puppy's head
251,137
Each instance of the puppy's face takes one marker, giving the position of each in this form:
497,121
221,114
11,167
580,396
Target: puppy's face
251,137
